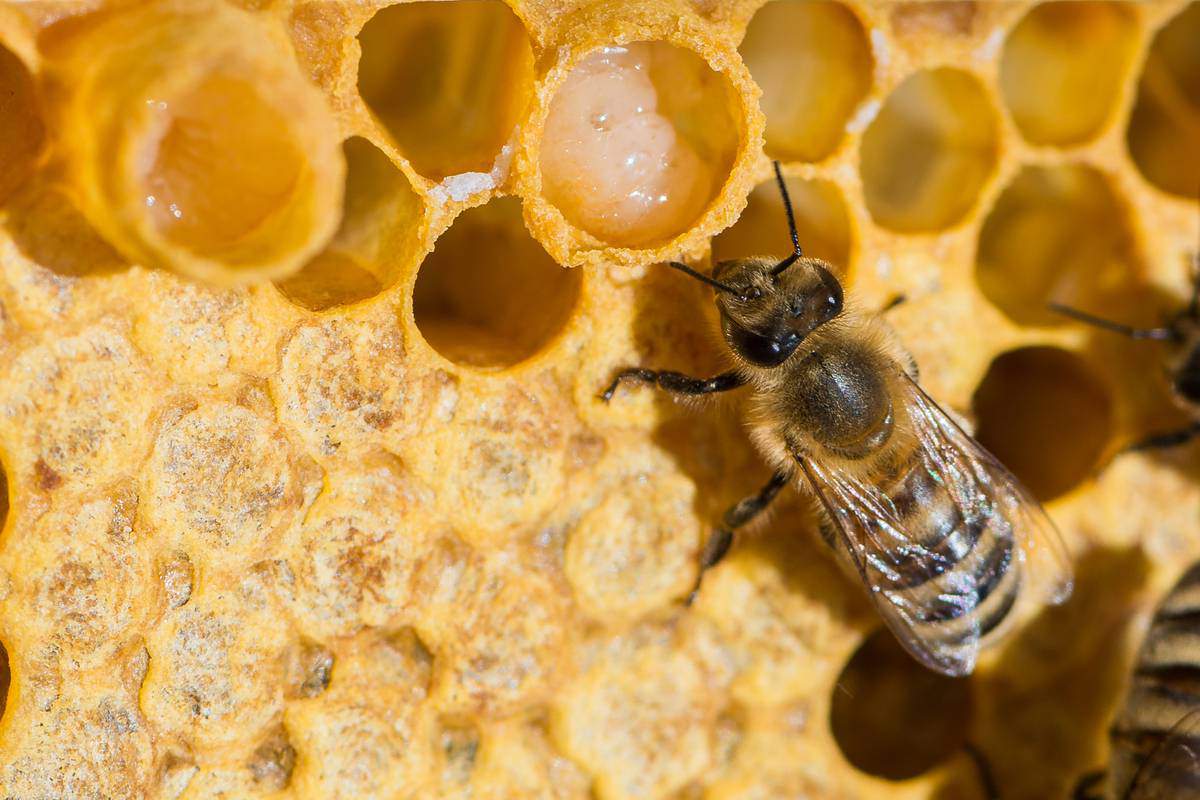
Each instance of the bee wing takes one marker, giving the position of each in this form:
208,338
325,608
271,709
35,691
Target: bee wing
1172,769
872,536
1046,560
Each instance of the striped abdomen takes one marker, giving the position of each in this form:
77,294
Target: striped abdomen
1164,688
950,562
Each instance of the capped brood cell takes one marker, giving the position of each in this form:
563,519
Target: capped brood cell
193,141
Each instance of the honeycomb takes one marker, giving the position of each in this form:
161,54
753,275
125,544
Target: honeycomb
305,304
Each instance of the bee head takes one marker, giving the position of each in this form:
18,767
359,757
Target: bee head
768,307
766,312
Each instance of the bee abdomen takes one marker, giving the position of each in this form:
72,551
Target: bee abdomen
956,573
1165,686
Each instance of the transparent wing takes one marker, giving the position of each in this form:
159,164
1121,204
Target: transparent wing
935,625
1046,560
1172,769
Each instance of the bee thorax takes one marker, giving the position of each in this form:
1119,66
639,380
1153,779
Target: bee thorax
842,402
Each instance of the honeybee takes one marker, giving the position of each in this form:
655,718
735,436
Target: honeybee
1156,735
1155,738
947,542
1182,333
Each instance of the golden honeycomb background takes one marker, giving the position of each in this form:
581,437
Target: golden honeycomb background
308,491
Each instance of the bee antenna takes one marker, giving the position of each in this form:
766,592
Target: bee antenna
700,276
791,219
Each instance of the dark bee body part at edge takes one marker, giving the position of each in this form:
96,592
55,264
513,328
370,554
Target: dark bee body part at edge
1182,333
1154,754
942,536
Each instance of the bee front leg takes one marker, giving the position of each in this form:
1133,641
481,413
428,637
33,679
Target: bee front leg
675,382
1162,441
1088,787
745,510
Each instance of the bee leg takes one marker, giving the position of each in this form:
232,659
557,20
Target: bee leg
675,382
1172,439
986,780
745,510
1086,788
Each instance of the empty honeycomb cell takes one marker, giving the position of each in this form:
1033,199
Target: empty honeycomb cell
382,221
928,153
22,131
638,140
488,295
894,718
47,226
1063,67
1165,124
194,141
1058,234
1046,415
814,64
449,81
821,221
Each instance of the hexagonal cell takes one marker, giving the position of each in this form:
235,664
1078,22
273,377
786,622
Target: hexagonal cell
193,141
814,64
1047,415
1165,125
488,295
379,235
894,718
821,221
1058,234
449,81
929,152
1062,68
21,130
638,141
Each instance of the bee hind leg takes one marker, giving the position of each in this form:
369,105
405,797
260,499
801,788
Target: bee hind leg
746,509
1161,441
675,382
987,781
1088,787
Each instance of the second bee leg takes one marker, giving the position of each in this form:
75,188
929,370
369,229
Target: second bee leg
745,510
675,382
1164,440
